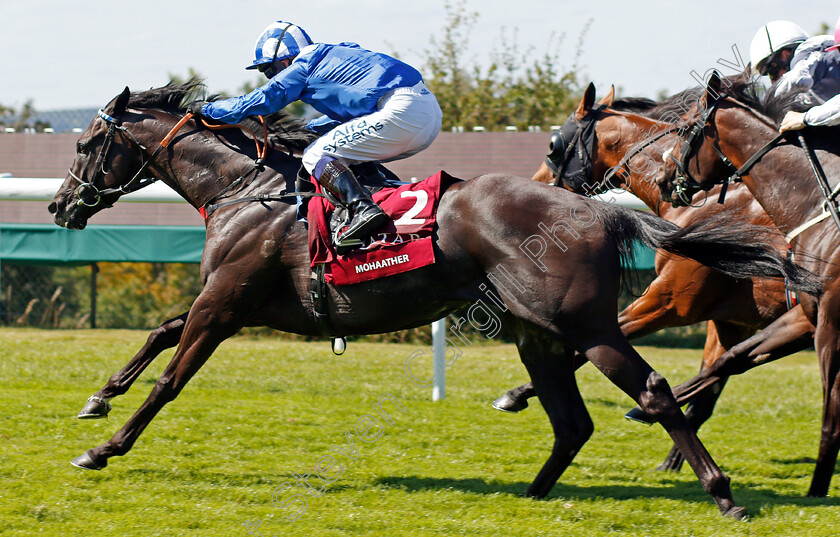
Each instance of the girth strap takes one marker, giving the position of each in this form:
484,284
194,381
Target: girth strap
208,209
318,294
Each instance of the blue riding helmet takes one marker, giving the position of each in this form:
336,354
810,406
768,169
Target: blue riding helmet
279,41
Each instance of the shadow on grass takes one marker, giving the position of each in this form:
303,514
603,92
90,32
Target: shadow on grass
752,499
799,460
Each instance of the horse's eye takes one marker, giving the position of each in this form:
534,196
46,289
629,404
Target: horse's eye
81,147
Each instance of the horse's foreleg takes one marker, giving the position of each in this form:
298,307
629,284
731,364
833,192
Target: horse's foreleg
163,337
210,322
516,399
552,368
612,354
719,338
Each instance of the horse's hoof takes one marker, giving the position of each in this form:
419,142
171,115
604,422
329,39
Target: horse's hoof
506,403
637,414
738,513
86,462
536,492
95,408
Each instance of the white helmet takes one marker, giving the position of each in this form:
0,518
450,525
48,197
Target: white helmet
772,37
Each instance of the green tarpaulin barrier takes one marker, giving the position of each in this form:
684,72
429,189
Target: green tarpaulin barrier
48,244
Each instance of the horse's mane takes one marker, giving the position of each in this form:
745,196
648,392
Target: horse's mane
740,87
284,129
668,109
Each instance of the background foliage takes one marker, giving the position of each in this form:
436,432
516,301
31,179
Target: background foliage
519,87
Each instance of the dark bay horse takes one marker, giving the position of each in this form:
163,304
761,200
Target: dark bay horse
734,124
256,270
630,138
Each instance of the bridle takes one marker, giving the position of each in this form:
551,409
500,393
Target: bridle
91,196
584,135
88,193
684,184
570,149
829,195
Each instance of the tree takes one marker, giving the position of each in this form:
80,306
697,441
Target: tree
20,120
509,90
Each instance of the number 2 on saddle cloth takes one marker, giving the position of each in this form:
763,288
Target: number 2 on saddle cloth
403,243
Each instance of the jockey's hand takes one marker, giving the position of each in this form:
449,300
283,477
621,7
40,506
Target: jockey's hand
793,121
195,107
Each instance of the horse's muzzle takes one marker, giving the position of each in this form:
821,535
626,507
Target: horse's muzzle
70,219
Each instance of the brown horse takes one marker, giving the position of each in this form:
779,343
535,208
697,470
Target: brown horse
737,130
626,153
256,270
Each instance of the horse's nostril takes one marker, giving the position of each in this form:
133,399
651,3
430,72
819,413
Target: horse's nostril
52,208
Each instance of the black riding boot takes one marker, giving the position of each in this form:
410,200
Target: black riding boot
367,216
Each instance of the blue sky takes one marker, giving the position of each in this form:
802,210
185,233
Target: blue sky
66,54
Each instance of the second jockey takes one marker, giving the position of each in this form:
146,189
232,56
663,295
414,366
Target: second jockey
818,74
376,109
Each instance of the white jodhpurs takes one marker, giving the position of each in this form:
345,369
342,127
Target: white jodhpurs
406,122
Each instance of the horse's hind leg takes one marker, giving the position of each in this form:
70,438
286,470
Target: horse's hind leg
720,337
552,371
612,354
163,337
654,310
790,333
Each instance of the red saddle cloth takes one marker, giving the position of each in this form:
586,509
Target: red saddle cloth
404,243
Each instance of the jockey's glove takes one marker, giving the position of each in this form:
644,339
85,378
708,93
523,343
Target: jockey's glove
195,107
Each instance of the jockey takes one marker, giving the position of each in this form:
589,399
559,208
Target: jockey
376,108
816,70
772,48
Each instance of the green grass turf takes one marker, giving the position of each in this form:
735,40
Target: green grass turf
262,410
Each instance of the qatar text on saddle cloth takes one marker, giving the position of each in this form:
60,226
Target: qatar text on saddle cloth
404,243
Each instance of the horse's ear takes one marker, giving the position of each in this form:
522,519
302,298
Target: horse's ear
122,101
713,89
586,102
608,99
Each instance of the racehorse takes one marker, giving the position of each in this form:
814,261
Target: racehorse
684,291
626,153
738,131
256,269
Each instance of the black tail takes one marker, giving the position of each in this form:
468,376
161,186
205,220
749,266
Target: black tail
737,249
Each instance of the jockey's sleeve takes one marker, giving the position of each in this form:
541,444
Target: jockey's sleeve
824,115
323,124
801,75
278,92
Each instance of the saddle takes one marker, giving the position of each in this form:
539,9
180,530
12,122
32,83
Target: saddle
403,243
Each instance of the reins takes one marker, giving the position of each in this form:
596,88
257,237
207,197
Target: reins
90,195
828,194
819,173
